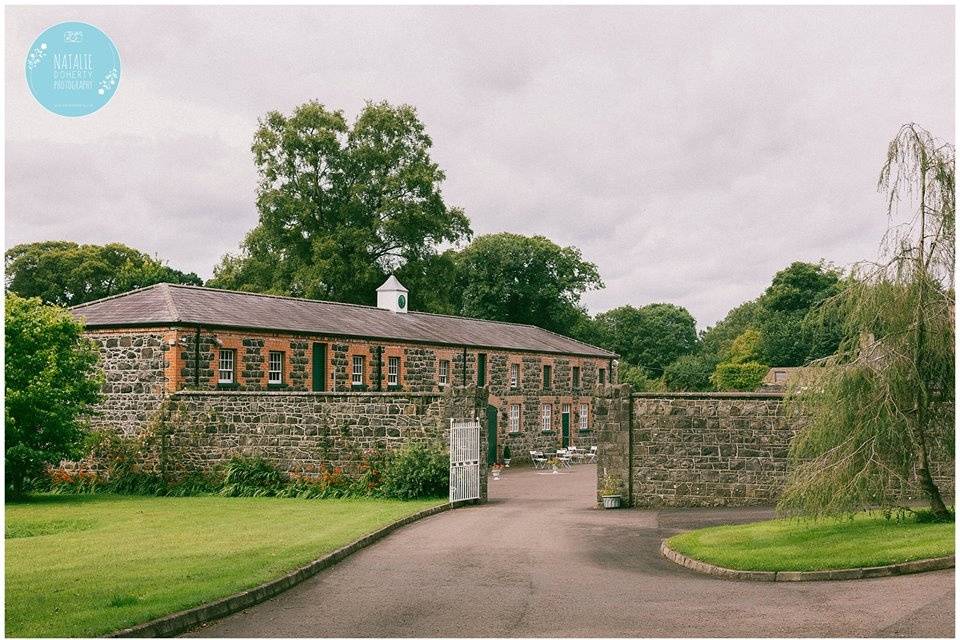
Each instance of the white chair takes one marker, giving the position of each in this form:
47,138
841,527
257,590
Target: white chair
539,460
575,454
564,457
591,456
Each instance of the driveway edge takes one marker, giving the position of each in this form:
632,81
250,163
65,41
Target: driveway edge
902,568
180,621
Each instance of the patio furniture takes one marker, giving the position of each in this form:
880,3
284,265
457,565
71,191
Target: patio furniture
539,460
564,457
591,456
575,454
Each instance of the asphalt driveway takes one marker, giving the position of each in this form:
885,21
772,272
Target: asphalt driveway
539,560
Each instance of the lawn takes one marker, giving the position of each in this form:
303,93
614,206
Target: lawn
89,565
808,545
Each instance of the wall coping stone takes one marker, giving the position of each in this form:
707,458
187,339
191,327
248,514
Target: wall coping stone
901,568
176,623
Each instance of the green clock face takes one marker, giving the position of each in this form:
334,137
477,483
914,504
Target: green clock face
402,301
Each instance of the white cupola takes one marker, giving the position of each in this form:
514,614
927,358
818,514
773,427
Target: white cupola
393,296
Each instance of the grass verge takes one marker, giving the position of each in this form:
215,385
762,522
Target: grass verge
868,540
90,565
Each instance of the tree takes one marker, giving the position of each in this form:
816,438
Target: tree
638,379
342,206
51,380
717,339
652,336
786,339
524,279
691,372
878,411
67,273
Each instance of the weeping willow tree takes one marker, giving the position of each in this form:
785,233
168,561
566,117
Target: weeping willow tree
877,412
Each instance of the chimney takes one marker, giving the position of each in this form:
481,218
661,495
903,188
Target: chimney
392,295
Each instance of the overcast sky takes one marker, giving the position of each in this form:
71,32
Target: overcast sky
689,152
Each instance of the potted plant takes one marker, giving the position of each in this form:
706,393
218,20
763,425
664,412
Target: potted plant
506,456
610,491
496,470
555,464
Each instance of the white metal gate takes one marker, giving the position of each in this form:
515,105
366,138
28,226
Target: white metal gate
464,460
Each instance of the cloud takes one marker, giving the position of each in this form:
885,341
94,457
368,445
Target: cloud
691,152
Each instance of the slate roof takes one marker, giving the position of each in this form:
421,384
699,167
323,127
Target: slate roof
173,304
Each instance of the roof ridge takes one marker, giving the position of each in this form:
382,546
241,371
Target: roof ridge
168,300
274,295
118,295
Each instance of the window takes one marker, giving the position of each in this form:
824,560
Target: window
481,369
565,409
444,372
275,375
546,376
514,375
576,377
227,359
357,370
393,370
546,415
514,418
584,417
603,375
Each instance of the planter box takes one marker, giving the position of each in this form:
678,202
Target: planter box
611,502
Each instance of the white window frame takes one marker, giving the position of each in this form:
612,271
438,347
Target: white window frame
584,417
275,373
231,370
546,417
444,372
514,418
393,370
356,377
514,375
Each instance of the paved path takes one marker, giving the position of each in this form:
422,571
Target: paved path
538,560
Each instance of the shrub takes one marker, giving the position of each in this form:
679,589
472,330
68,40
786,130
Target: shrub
741,377
415,471
252,476
637,378
51,380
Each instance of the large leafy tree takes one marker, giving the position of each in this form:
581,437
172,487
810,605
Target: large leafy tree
52,378
787,339
651,337
879,410
716,340
524,279
343,205
67,273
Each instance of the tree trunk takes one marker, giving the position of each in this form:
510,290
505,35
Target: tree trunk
930,488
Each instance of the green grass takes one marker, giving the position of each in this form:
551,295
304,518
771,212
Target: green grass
89,565
809,545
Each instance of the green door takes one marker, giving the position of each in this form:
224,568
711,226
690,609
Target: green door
319,366
491,434
565,421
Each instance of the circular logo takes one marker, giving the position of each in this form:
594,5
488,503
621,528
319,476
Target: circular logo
401,301
73,69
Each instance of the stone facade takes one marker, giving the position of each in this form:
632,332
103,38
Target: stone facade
699,449
191,362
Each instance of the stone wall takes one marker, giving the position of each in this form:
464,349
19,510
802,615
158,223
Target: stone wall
699,449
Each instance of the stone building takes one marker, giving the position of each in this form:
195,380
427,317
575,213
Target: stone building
166,339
